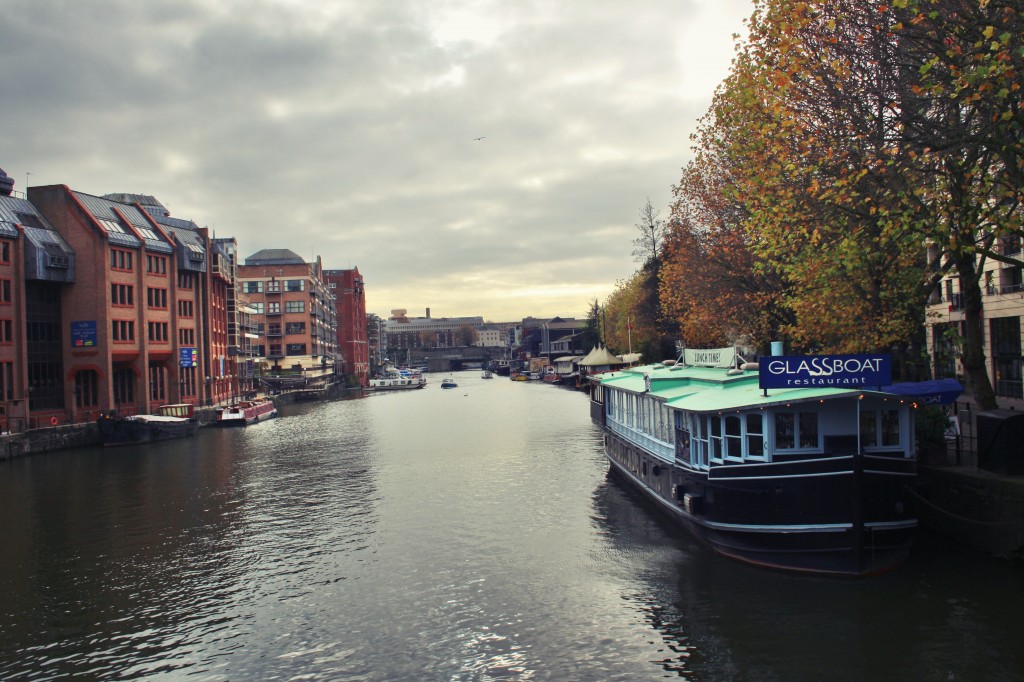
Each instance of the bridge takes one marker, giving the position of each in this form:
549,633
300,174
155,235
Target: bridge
453,359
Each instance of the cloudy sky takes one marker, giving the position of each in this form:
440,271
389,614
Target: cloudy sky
347,129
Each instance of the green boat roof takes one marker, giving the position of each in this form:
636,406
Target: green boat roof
706,389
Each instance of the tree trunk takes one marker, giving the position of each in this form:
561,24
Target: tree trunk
973,358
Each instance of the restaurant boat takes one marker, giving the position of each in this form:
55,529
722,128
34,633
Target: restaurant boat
171,421
796,463
246,412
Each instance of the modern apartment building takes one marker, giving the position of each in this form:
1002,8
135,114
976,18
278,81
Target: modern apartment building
293,302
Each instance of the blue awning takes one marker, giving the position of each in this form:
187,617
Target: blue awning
938,392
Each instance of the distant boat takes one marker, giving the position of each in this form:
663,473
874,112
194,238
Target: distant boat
170,421
246,412
487,374
397,380
449,383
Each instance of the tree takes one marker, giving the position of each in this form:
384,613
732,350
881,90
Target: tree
591,334
647,247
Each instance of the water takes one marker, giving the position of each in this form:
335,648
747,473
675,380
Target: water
463,534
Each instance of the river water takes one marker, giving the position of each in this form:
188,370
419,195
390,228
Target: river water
462,534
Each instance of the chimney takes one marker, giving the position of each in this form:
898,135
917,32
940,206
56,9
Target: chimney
428,313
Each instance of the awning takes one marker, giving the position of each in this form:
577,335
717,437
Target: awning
937,392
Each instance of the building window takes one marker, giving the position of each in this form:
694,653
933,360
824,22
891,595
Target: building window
122,295
7,381
120,260
5,251
295,306
157,383
295,285
158,332
879,428
123,331
186,308
1006,357
257,308
156,265
156,298
254,287
87,384
186,337
296,349
295,328
6,332
187,382
123,379
5,291
186,280
274,308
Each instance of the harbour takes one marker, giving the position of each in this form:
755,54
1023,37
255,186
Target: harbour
475,533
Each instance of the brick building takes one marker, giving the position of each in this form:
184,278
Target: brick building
292,301
350,298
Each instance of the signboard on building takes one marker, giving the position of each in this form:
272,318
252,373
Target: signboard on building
825,371
83,334
189,356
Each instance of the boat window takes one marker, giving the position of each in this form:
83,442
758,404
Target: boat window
808,429
868,429
890,427
715,437
755,435
785,431
733,437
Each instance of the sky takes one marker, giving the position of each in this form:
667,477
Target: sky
477,158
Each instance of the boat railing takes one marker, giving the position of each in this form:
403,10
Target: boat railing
657,447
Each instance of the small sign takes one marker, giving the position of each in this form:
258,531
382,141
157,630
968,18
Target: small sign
83,334
189,356
825,371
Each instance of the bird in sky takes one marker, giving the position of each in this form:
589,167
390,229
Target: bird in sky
477,139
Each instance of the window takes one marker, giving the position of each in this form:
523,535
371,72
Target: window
295,328
7,381
6,331
158,332
122,295
295,306
186,280
5,291
880,428
186,337
296,349
123,380
187,381
274,308
755,435
254,287
186,309
796,431
87,388
5,251
157,383
156,298
123,331
295,285
120,260
257,308
156,265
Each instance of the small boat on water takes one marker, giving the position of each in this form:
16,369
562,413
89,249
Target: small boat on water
246,412
802,463
170,421
449,382
487,374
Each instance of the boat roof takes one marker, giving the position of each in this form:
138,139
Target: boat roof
709,389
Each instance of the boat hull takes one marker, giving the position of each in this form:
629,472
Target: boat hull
246,413
132,431
843,515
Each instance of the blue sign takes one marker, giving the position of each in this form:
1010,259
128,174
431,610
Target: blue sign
83,334
824,371
189,357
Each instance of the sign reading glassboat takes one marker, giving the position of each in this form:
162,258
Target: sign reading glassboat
822,371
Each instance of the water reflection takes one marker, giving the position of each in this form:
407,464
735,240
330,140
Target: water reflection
472,534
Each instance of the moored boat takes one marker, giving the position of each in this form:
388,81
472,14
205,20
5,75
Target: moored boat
488,374
397,380
170,421
787,463
246,412
449,382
